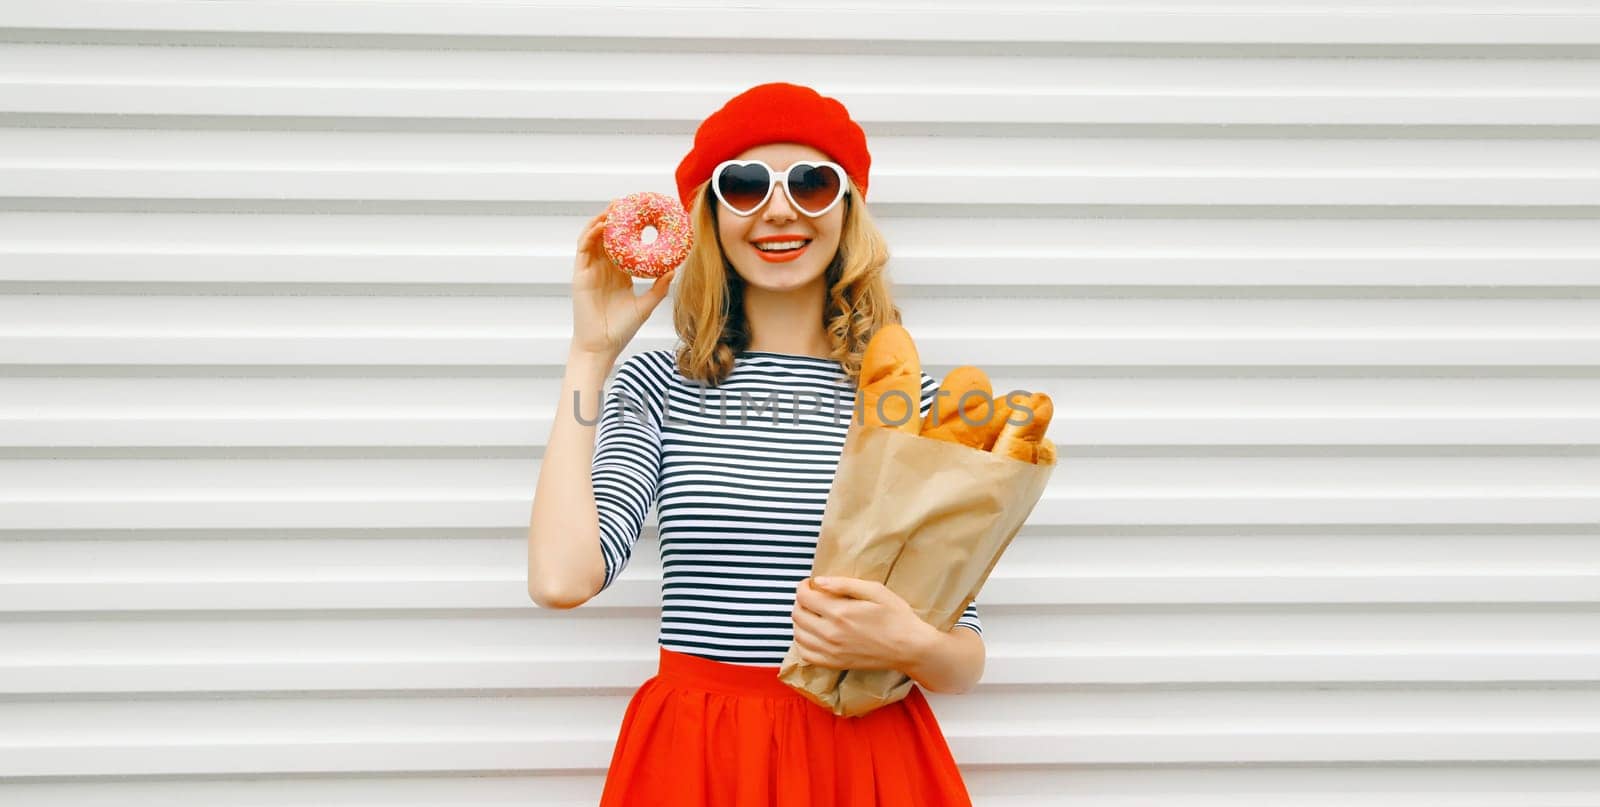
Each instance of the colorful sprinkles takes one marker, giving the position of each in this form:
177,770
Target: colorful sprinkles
626,220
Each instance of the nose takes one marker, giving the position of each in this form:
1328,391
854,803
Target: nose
778,207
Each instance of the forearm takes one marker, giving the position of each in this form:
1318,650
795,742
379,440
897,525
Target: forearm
947,661
563,530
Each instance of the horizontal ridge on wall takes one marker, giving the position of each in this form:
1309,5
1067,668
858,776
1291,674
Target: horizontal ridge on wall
1502,24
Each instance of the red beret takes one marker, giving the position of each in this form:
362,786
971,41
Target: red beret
775,113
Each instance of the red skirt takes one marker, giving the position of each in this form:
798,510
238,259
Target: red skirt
704,733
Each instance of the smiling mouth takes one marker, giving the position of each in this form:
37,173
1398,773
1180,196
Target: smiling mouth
781,255
785,251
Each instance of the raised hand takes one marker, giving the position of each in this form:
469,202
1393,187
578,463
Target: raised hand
606,313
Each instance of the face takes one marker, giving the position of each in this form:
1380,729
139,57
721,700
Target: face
780,218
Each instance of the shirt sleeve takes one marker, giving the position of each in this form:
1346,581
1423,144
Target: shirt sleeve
930,385
626,472
969,618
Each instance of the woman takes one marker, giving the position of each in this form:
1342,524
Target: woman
735,435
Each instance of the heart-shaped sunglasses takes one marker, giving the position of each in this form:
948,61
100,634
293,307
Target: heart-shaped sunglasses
744,186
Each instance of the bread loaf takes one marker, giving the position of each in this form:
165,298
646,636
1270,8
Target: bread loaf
890,391
1047,452
1021,431
965,391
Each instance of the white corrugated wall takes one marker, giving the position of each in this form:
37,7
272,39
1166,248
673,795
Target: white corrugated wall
1315,287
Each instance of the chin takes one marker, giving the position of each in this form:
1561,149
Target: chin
776,281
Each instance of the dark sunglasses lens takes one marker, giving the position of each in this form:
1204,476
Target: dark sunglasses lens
814,187
744,186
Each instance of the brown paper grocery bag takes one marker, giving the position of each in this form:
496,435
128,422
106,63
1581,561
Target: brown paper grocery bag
927,518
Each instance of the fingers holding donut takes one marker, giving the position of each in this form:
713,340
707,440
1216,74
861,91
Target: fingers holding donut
591,227
658,291
594,269
606,312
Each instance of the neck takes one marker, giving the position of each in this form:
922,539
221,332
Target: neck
787,321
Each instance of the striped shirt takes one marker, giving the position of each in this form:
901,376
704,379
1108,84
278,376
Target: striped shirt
739,474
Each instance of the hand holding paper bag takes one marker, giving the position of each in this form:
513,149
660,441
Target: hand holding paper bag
926,506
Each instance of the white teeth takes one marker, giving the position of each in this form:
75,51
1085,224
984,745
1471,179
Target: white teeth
780,245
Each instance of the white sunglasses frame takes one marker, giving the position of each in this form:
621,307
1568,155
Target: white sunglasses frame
780,178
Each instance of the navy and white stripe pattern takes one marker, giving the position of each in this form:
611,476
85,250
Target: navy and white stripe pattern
740,475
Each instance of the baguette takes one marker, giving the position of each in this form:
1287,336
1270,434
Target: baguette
1047,452
1019,437
945,420
890,390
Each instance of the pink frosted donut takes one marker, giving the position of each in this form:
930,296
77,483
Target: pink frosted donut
626,220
